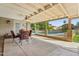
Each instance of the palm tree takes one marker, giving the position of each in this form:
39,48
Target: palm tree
64,26
64,21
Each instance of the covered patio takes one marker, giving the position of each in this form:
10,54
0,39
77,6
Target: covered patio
54,32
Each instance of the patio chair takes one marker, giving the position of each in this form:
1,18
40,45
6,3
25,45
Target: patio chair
24,35
30,33
14,36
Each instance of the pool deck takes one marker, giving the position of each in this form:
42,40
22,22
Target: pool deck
40,46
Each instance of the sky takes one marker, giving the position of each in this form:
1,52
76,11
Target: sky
60,22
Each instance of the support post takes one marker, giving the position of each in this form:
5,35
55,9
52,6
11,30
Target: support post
35,28
69,32
28,25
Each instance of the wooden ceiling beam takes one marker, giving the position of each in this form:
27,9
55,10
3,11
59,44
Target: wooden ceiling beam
63,9
78,10
46,13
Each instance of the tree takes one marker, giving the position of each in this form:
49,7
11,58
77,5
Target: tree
65,27
77,24
64,21
32,26
42,25
77,31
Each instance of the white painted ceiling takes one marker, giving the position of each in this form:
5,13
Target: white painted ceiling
19,11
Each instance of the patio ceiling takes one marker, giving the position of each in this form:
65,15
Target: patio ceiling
38,12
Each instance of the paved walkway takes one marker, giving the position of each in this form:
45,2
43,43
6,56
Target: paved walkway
38,47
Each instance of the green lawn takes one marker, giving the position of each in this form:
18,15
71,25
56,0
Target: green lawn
76,38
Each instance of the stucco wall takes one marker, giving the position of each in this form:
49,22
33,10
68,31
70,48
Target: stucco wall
5,27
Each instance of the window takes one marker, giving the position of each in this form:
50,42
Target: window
17,27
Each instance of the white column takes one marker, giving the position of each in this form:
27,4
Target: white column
28,25
35,28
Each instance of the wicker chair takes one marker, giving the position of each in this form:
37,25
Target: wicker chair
24,35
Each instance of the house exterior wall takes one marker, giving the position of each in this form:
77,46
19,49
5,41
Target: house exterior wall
5,27
19,25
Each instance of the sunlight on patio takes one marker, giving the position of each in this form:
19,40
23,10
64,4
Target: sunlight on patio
37,47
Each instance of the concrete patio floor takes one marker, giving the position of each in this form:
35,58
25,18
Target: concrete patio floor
38,47
1,46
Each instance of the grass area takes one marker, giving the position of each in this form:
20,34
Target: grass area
76,38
